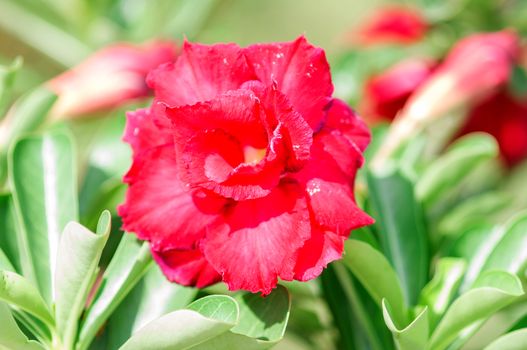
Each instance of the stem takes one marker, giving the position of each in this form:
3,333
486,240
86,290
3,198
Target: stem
353,297
32,326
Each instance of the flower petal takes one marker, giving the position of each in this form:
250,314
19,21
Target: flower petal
200,73
322,248
301,72
257,241
156,195
341,117
186,267
142,133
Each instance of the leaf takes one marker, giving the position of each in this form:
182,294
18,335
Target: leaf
206,318
17,291
401,231
510,253
492,292
8,232
7,78
5,264
511,341
438,293
459,160
78,257
129,263
42,172
377,276
140,307
412,337
11,336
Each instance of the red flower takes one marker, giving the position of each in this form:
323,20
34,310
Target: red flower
386,93
393,25
243,166
505,118
109,78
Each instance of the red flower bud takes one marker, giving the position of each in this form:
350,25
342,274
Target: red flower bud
111,77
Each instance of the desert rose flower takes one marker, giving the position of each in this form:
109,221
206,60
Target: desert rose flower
393,25
111,77
475,68
243,167
386,93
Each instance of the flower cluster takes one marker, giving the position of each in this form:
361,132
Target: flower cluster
243,166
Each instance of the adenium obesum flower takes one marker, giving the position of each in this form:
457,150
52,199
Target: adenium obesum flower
243,167
386,93
111,77
393,25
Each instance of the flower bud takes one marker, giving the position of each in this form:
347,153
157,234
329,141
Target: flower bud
110,77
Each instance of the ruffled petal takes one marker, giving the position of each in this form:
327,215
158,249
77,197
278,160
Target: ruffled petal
142,133
256,241
301,72
328,181
155,195
200,73
322,248
342,118
186,267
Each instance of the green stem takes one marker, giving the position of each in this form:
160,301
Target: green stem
360,312
32,326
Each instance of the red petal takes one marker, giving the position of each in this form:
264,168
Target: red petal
328,179
142,133
301,72
341,117
186,267
257,240
322,248
156,195
200,73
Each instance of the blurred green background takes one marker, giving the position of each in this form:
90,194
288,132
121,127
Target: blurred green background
52,35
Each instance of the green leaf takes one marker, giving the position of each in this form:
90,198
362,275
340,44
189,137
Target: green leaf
492,292
128,265
401,231
412,337
510,253
449,169
43,179
511,341
139,307
518,81
5,264
18,292
7,78
78,257
377,276
8,232
11,336
206,318
438,293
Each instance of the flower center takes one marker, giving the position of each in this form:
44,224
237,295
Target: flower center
253,155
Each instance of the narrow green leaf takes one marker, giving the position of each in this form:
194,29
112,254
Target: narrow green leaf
401,231
377,276
412,337
128,265
7,79
459,160
78,257
438,293
44,183
11,337
510,253
493,292
18,292
5,264
9,232
205,319
140,307
511,341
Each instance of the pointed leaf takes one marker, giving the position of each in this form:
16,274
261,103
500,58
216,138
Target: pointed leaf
8,232
412,337
17,291
401,230
511,341
77,261
492,292
205,319
377,276
11,336
44,191
129,263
